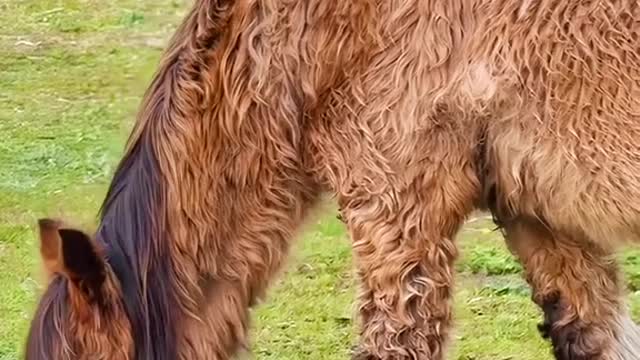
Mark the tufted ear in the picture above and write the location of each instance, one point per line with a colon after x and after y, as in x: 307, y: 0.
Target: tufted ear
x: 71, y: 253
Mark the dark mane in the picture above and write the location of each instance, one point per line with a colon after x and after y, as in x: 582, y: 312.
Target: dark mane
x: 132, y: 222
x: 130, y: 230
x: 133, y: 215
x: 54, y: 306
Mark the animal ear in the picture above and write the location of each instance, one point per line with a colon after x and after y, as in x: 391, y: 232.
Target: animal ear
x: 71, y: 252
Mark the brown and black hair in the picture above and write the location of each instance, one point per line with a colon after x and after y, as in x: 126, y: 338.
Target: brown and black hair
x: 409, y: 112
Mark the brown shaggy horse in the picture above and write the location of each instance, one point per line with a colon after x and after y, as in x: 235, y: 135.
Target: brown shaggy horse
x: 413, y: 113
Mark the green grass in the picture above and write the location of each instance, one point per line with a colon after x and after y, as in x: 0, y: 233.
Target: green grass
x: 71, y: 76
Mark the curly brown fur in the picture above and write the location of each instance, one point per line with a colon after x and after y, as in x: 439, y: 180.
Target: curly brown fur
x: 407, y: 111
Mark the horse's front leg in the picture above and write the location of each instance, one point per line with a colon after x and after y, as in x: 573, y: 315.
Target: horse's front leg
x: 256, y: 226
x: 404, y: 249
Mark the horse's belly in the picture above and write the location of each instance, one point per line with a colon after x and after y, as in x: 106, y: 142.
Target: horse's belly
x: 595, y: 191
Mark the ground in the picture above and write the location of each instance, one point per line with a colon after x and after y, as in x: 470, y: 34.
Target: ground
x: 72, y: 73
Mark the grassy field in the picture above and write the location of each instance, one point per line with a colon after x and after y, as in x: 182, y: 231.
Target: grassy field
x: 71, y: 76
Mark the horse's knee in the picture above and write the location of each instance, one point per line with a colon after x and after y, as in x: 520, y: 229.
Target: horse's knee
x: 407, y: 272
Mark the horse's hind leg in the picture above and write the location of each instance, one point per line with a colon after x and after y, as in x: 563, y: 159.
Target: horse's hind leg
x: 576, y: 284
x: 404, y: 250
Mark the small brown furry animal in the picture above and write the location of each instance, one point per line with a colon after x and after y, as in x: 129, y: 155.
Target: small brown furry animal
x: 412, y: 113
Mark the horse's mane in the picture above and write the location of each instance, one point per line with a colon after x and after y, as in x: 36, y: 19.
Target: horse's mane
x: 133, y: 217
x: 131, y: 222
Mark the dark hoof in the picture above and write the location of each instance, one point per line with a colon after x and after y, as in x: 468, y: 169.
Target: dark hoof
x: 573, y: 341
x: 545, y: 330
